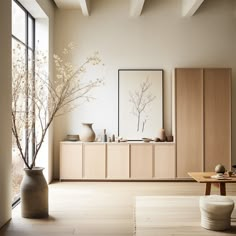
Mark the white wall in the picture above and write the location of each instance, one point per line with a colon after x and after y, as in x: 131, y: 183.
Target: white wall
x: 43, y: 12
x: 5, y: 118
x: 160, y: 38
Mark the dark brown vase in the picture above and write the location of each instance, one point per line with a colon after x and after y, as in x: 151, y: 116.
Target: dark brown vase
x: 34, y: 194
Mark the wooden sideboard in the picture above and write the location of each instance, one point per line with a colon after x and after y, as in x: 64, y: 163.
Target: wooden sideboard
x: 201, y: 127
x: 117, y: 161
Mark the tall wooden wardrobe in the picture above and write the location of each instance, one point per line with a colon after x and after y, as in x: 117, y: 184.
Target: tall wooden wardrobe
x: 202, y: 119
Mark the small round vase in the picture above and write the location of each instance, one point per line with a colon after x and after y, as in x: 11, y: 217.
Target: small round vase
x: 87, y: 134
x: 220, y: 169
x: 34, y: 194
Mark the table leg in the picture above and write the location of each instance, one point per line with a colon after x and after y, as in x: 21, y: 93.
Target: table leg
x: 208, y: 189
x: 222, y: 189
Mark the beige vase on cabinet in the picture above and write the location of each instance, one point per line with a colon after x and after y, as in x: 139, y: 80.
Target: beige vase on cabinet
x: 87, y: 134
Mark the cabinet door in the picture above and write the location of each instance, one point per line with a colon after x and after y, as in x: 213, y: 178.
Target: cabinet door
x: 189, y: 120
x: 70, y: 160
x: 217, y: 95
x: 164, y: 159
x: 118, y: 161
x: 94, y: 161
x: 141, y: 161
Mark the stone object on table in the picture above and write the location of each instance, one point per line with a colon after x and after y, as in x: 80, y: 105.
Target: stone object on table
x: 220, y: 169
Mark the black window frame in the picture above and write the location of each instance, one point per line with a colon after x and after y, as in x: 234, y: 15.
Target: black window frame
x: 27, y: 49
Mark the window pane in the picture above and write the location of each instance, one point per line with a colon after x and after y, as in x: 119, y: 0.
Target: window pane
x: 22, y: 89
x: 18, y: 76
x: 18, y: 22
x: 30, y: 32
x: 30, y: 63
x: 31, y: 101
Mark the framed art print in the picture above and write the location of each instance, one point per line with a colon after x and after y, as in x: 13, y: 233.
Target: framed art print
x: 140, y: 98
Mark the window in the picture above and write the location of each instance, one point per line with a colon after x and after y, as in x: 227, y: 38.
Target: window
x: 23, y: 51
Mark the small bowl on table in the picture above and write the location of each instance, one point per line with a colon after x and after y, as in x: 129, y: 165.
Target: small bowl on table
x: 147, y: 140
x: 72, y: 137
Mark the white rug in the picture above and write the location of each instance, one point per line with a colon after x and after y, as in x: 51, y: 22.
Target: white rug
x: 172, y: 215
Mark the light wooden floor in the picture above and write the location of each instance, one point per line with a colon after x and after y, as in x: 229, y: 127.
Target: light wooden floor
x: 98, y: 208
x: 153, y: 215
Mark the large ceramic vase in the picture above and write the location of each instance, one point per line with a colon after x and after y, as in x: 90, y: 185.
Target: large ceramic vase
x: 87, y: 134
x: 34, y: 194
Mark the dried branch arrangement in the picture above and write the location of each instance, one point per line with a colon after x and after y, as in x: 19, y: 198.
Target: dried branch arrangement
x: 37, y: 100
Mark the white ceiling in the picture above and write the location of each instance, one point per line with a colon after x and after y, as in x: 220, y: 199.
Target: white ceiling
x: 189, y: 7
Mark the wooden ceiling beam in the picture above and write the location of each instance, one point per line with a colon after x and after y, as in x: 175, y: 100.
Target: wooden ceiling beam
x: 85, y: 7
x: 190, y: 7
x: 67, y: 4
x: 136, y: 7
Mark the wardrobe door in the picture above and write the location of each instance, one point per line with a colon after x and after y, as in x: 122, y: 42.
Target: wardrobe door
x: 189, y: 120
x: 217, y: 94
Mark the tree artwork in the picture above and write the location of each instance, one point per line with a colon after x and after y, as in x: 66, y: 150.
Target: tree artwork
x: 140, y: 103
x: 141, y: 99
